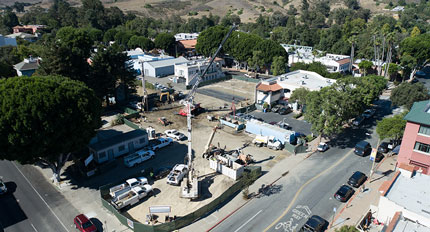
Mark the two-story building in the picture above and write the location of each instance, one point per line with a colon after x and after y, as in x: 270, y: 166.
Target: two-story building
x: 188, y: 70
x: 415, y: 148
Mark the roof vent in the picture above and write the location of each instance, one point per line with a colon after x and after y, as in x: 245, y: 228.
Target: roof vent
x: 303, y: 82
x: 305, y: 76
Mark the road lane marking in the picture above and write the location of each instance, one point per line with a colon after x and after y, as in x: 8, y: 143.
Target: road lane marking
x: 248, y: 221
x: 52, y: 211
x: 302, y: 187
x: 33, y: 227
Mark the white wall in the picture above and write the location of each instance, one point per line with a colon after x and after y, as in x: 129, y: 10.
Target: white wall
x: 234, y: 173
x: 387, y: 208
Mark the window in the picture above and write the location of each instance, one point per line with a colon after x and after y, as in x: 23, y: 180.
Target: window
x: 425, y: 130
x: 102, y: 155
x: 121, y: 148
x: 422, y: 147
x: 142, y: 140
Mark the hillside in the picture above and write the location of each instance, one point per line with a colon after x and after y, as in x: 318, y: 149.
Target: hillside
x: 248, y: 10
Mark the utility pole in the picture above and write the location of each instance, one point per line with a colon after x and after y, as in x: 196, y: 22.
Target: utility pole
x: 145, y: 95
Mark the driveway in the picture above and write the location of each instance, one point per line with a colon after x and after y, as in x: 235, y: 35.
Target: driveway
x: 297, y: 125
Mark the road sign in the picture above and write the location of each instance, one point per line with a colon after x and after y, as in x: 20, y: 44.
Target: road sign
x: 334, y: 209
x: 373, y: 154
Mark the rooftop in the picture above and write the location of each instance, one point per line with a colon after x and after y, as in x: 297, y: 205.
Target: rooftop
x: 116, y: 138
x: 163, y: 63
x: 412, y: 193
x: 266, y: 88
x: 27, y: 64
x: 419, y: 113
x: 21, y: 35
x: 300, y: 78
x: 190, y: 43
x: 407, y: 225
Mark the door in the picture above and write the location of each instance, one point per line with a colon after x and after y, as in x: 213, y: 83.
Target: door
x: 130, y: 147
x: 110, y: 154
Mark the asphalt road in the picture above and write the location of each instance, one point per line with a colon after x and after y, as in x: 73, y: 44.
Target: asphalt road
x: 26, y: 208
x: 308, y: 189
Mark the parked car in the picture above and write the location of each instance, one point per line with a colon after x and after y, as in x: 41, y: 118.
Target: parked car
x: 284, y: 111
x: 177, y: 174
x: 174, y: 134
x: 162, y: 172
x: 314, y: 224
x: 161, y: 142
x: 283, y: 125
x: 135, y: 105
x: 383, y: 147
x: 368, y: 113
x: 379, y: 157
x: 322, y: 147
x: 3, y: 188
x: 138, y: 157
x: 275, y: 109
x: 344, y: 193
x: 357, y: 179
x: 358, y: 120
x: 120, y: 189
x: 362, y: 148
x: 83, y: 224
x: 132, y: 197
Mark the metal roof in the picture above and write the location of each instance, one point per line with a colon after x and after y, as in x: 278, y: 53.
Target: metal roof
x: 103, y: 144
x: 419, y: 113
x: 169, y: 62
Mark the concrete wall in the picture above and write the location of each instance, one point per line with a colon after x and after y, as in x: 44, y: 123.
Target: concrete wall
x: 388, y: 207
x: 407, y: 152
x: 235, y: 172
x: 100, y: 157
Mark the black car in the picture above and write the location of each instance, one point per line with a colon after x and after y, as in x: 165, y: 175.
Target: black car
x: 344, y: 193
x: 284, y: 111
x: 357, y: 179
x: 379, y: 157
x: 314, y: 224
x: 362, y: 148
x: 162, y: 172
x: 383, y: 147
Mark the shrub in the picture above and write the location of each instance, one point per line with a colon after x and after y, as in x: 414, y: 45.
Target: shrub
x: 296, y: 116
x: 148, y: 6
x: 119, y: 119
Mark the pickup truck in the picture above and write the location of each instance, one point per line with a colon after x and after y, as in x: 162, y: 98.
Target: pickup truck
x: 177, y: 174
x: 120, y: 189
x: 132, y: 197
x: 138, y: 157
x: 268, y: 141
x: 160, y: 143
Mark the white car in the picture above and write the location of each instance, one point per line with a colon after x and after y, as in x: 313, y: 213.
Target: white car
x: 138, y: 157
x: 174, y: 134
x: 177, y: 174
x: 160, y: 143
x: 322, y: 147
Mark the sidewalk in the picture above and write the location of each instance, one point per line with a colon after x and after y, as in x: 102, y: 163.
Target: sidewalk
x: 279, y: 167
x: 359, y: 204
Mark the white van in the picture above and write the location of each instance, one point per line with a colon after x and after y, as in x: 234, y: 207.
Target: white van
x: 138, y: 157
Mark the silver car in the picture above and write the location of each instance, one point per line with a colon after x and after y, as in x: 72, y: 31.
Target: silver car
x: 3, y: 188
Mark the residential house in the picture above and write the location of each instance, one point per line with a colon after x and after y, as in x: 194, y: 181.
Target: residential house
x: 24, y: 36
x: 280, y: 88
x: 408, y: 193
x: 110, y: 147
x: 27, y: 67
x: 186, y: 36
x: 187, y: 47
x: 5, y: 41
x: 187, y: 71
x: 28, y: 28
x: 161, y: 68
x: 415, y: 148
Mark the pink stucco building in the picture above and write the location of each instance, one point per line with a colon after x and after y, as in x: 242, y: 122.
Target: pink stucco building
x: 415, y: 149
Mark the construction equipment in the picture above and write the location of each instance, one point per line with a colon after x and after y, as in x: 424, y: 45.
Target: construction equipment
x: 163, y: 121
x: 190, y: 187
x: 209, y: 146
x: 165, y: 97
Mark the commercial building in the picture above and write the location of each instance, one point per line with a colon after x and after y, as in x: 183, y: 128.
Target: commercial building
x: 147, y: 57
x: 187, y: 71
x: 161, y: 68
x: 401, y: 224
x: 27, y: 67
x: 415, y: 148
x: 280, y: 88
x: 186, y: 36
x: 5, y: 41
x: 108, y: 146
x: 408, y: 192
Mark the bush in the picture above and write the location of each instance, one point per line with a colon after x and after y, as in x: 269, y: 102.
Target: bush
x: 296, y: 116
x: 192, y: 13
x: 119, y: 119
x: 148, y: 6
x: 245, y: 193
x: 309, y: 138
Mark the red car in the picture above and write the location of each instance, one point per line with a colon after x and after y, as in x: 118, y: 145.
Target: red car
x: 83, y: 224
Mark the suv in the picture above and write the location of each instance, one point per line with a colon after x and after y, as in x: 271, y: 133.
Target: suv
x: 362, y: 148
x: 357, y: 179
x: 314, y: 224
x: 83, y: 224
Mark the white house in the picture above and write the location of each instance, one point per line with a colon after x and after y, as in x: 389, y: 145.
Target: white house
x: 188, y: 70
x: 5, y: 41
x: 279, y: 88
x: 407, y: 193
x: 186, y: 36
x: 161, y: 68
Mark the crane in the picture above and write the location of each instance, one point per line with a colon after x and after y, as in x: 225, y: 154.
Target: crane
x: 190, y: 188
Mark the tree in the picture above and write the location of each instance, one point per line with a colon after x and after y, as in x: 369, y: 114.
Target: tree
x: 270, y: 49
x: 141, y: 42
x: 299, y: 95
x: 45, y: 119
x: 346, y: 229
x: 165, y: 41
x: 418, y: 47
x: 415, y: 32
x: 407, y: 93
x: 279, y: 65
x: 9, y: 20
x: 352, y: 4
x: 256, y: 61
x: 365, y: 65
x: 392, y: 127
x: 209, y: 40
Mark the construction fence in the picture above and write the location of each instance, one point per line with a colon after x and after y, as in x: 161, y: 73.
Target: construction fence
x: 180, y: 221
x: 247, y: 79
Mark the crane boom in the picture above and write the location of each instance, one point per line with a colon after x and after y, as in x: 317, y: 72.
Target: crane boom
x: 190, y: 190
